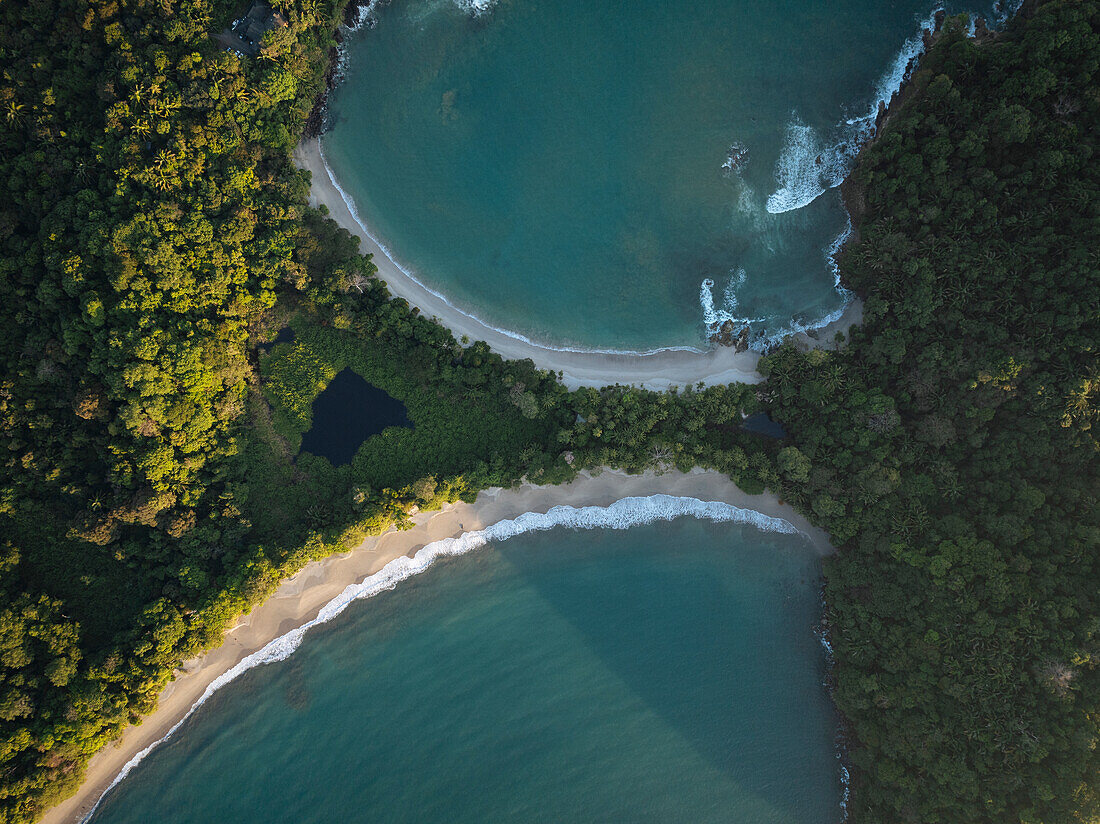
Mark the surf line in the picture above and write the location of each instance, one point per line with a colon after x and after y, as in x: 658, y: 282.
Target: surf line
x: 622, y: 514
x: 806, y: 170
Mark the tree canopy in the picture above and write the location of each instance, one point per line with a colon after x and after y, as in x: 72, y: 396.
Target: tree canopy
x: 156, y: 233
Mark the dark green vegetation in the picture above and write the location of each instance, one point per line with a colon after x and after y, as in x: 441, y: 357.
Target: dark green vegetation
x: 155, y: 231
x: 347, y: 413
x: 151, y: 213
x: 149, y: 492
x: 952, y: 447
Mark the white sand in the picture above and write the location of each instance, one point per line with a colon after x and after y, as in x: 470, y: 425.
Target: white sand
x: 300, y: 598
x: 659, y: 370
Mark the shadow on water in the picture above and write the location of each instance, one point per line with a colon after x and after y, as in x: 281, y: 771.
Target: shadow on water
x: 757, y: 662
x: 348, y: 412
x: 415, y: 708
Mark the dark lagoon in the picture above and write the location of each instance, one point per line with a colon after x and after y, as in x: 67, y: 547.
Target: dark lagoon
x: 762, y: 424
x: 348, y: 412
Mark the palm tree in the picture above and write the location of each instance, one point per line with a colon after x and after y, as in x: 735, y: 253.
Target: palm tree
x: 661, y: 458
x: 14, y: 112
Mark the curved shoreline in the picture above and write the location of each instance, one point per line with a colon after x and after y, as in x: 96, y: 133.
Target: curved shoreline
x: 658, y: 370
x: 300, y: 599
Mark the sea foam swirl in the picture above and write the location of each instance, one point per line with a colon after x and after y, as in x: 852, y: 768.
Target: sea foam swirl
x: 622, y: 514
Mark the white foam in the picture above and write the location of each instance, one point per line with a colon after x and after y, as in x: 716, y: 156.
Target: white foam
x: 846, y: 786
x: 476, y: 7
x: 833, y: 250
x: 735, y: 159
x: 622, y: 514
x: 366, y: 16
x: 807, y: 168
x: 729, y: 297
x: 762, y: 341
x: 715, y: 316
x: 1005, y: 10
x: 899, y: 71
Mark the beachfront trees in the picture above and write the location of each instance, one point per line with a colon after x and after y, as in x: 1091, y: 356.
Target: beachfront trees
x: 149, y: 213
x: 154, y: 231
x: 963, y: 604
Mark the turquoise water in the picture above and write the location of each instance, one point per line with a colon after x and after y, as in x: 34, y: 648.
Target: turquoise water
x: 669, y: 672
x: 557, y: 168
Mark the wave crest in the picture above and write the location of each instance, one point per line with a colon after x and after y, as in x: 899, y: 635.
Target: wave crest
x: 806, y: 169
x: 476, y: 7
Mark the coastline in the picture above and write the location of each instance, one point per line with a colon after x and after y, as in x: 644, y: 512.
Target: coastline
x: 300, y: 598
x: 659, y: 370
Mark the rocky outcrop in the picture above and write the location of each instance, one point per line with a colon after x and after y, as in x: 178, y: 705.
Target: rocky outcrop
x: 735, y: 158
x: 727, y: 334
x: 880, y: 116
x: 356, y: 15
x: 315, y: 123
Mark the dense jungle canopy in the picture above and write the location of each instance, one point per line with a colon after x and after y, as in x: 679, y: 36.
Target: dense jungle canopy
x: 155, y: 232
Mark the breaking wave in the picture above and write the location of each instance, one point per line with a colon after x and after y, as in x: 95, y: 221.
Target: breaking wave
x: 366, y: 16
x: 476, y: 7
x: 1004, y: 10
x: 807, y: 168
x: 715, y: 316
x: 622, y: 514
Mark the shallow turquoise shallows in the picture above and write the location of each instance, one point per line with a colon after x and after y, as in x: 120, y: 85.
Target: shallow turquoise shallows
x: 559, y: 169
x: 666, y: 673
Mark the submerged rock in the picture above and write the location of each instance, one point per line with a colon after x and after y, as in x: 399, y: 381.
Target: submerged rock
x: 735, y: 158
x: 727, y: 334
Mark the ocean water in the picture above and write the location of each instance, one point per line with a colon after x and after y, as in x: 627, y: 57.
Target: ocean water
x: 563, y: 170
x: 667, y: 672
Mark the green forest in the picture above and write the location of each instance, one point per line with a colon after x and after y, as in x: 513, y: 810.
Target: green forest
x: 156, y: 236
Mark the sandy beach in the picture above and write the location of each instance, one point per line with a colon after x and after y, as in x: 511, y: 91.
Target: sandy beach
x: 298, y: 599
x: 659, y: 370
